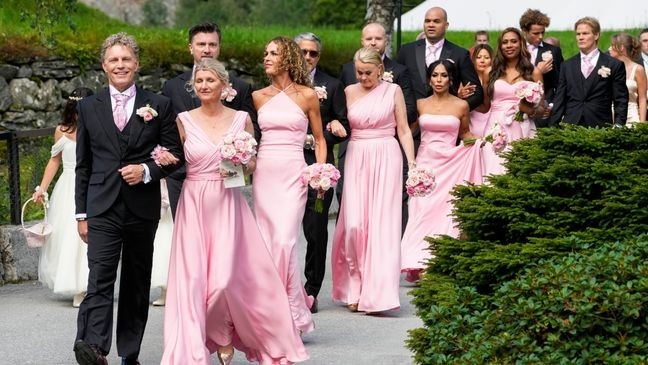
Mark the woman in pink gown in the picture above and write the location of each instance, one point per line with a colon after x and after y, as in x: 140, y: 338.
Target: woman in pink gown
x: 482, y: 58
x: 511, y: 67
x: 442, y: 117
x: 223, y: 288
x: 285, y: 109
x: 366, y: 242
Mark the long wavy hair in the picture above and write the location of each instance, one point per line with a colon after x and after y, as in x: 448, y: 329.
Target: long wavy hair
x: 291, y: 60
x: 69, y: 122
x: 524, y: 66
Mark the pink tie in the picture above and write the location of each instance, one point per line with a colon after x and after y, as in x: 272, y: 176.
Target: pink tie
x: 431, y: 54
x: 531, y: 48
x: 586, y: 66
x: 119, y: 112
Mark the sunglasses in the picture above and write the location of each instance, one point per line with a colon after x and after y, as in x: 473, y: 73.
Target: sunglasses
x: 313, y: 54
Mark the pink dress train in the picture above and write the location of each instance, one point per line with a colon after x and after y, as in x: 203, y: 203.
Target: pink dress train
x: 502, y: 113
x: 280, y: 196
x: 223, y: 286
x: 366, y: 243
x: 431, y: 215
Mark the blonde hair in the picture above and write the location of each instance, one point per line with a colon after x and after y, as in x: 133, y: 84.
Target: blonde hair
x: 369, y: 55
x: 122, y: 39
x: 592, y: 22
x: 292, y: 61
x: 214, y: 66
x: 628, y: 42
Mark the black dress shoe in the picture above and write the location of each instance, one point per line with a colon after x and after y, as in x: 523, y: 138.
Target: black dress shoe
x: 89, y: 354
x: 314, y: 308
x: 126, y: 361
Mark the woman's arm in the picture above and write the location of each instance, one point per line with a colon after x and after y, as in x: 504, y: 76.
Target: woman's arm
x: 315, y: 121
x: 402, y: 128
x: 50, y: 170
x: 251, y: 166
x: 640, y: 77
x: 464, y: 125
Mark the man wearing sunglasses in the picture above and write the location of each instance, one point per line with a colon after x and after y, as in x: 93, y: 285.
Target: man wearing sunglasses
x: 336, y: 129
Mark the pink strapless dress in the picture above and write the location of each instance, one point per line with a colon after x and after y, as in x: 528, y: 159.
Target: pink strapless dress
x: 223, y: 286
x: 431, y: 215
x: 478, y: 122
x: 280, y: 196
x: 501, y: 112
x: 366, y: 243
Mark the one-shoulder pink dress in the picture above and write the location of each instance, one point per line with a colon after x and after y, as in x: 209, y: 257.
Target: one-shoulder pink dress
x: 366, y: 243
x: 431, y: 215
x: 223, y: 286
x: 280, y: 196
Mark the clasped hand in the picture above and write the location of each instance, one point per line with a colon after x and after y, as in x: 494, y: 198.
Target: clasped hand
x: 337, y: 129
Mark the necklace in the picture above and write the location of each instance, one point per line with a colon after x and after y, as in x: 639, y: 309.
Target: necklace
x: 282, y: 90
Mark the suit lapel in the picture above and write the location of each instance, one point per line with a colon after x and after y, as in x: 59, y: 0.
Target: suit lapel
x: 591, y: 80
x: 190, y: 101
x: 103, y: 109
x: 420, y: 60
x: 136, y: 122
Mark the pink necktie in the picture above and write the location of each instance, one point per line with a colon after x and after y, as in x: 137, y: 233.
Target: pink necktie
x: 431, y: 54
x: 586, y: 66
x: 531, y: 48
x: 119, y: 112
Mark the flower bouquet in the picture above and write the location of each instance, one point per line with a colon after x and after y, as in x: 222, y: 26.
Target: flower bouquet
x: 529, y: 91
x: 420, y: 182
x: 236, y: 151
x: 320, y: 177
x: 498, y: 138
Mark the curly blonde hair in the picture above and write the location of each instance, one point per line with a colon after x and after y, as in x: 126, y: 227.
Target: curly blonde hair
x: 122, y: 39
x: 291, y: 60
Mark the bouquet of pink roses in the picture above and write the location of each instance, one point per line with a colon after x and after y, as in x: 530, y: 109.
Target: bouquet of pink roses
x: 320, y: 177
x: 239, y: 148
x: 420, y: 182
x: 531, y: 92
x: 497, y: 137
x: 235, y: 152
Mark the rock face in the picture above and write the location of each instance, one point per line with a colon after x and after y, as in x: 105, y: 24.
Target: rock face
x: 131, y: 11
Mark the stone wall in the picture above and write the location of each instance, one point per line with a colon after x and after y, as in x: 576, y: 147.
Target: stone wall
x: 33, y: 94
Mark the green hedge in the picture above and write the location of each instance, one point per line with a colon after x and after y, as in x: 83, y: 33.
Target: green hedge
x: 567, y: 191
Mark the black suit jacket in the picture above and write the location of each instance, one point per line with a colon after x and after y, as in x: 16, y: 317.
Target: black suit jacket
x: 412, y: 55
x: 176, y: 90
x: 588, y: 102
x: 401, y: 77
x: 550, y: 79
x: 331, y: 108
x: 99, y: 156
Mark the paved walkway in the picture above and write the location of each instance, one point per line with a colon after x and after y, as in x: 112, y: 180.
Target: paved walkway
x: 38, y: 327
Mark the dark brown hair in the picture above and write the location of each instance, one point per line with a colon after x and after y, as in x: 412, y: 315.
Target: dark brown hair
x: 68, y: 124
x: 523, y: 66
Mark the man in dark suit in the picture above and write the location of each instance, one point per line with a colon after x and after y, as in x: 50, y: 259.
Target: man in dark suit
x: 336, y: 129
x: 546, y: 57
x: 590, y: 83
x: 117, y: 197
x: 374, y: 36
x: 204, y: 42
x: 418, y: 55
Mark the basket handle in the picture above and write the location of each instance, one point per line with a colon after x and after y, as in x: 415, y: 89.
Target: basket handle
x: 22, y: 212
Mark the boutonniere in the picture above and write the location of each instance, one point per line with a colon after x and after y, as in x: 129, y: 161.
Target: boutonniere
x: 547, y: 56
x: 388, y: 76
x: 147, y: 113
x: 321, y: 92
x: 604, y: 72
x: 229, y: 93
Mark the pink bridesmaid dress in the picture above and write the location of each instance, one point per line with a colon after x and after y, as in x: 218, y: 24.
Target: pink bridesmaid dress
x: 431, y: 215
x: 366, y: 243
x: 223, y: 286
x: 501, y: 112
x: 280, y: 196
x: 478, y: 121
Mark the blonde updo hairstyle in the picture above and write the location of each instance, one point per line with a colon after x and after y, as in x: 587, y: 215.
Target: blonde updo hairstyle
x: 211, y: 65
x: 371, y: 56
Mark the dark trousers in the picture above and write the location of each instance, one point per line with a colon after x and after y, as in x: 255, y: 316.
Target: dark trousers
x: 117, y: 231
x: 338, y: 188
x: 316, y: 232
x: 174, y: 186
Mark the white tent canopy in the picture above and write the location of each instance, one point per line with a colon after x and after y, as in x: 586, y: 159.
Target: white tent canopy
x: 496, y: 15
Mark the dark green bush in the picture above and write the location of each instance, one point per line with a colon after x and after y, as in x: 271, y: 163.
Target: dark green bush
x: 566, y: 191
x: 583, y: 308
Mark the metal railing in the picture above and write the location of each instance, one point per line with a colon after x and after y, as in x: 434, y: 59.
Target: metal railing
x: 13, y: 161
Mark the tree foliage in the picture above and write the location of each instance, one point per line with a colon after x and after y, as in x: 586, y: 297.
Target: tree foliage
x: 567, y: 192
